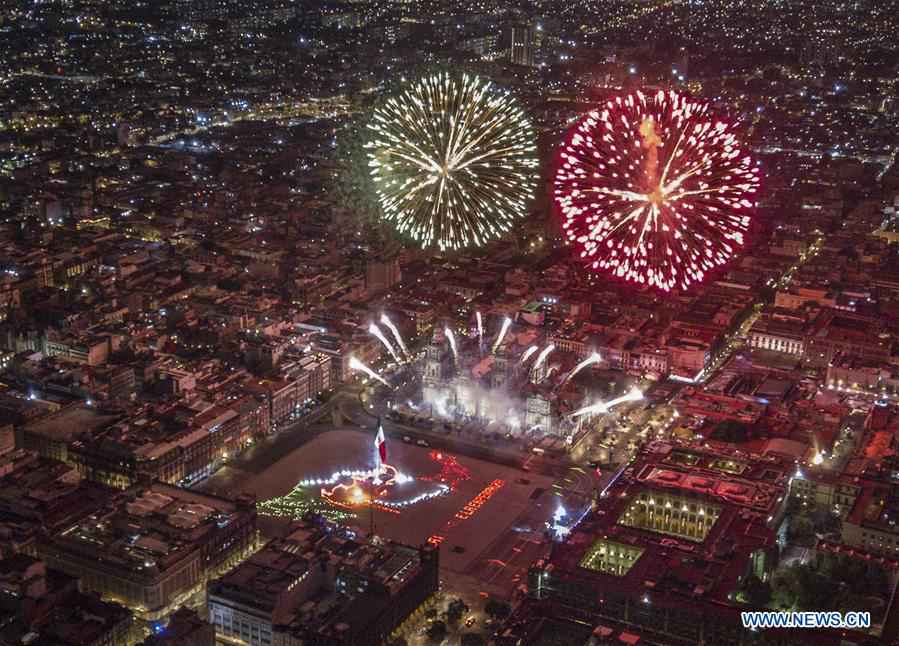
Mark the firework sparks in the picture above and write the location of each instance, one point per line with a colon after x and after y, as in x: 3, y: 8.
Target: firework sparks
x: 655, y: 189
x: 604, y: 407
x: 593, y: 358
x: 527, y: 353
x: 376, y: 331
x: 452, y: 341
x: 453, y: 160
x: 542, y: 356
x: 507, y: 322
x: 357, y: 365
x: 480, y: 327
x: 593, y: 409
x: 396, y: 333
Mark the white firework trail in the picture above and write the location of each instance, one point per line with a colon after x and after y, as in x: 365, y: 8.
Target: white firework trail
x: 634, y: 395
x: 376, y: 331
x: 452, y: 341
x: 502, y: 332
x: 396, y: 333
x: 480, y: 327
x: 543, y: 354
x: 527, y: 353
x: 593, y: 358
x: 604, y: 407
x: 355, y: 364
x: 592, y: 409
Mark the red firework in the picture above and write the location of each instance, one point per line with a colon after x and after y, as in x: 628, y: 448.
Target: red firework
x: 655, y: 189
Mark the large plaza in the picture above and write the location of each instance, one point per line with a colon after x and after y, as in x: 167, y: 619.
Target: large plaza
x: 474, y: 504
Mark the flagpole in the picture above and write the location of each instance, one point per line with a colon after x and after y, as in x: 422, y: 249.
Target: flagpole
x: 371, y: 511
x: 377, y: 476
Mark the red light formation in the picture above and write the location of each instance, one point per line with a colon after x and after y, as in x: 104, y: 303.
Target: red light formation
x: 655, y: 189
x: 451, y: 472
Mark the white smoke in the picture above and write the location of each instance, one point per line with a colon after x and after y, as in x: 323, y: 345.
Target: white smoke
x: 462, y: 401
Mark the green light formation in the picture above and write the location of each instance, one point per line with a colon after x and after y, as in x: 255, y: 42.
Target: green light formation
x: 453, y: 161
x: 297, y: 503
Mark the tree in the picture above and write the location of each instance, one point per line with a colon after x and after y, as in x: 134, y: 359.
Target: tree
x: 731, y: 431
x: 826, y: 522
x: 756, y: 591
x: 801, y: 529
x: 437, y: 632
x: 497, y: 609
x: 455, y: 610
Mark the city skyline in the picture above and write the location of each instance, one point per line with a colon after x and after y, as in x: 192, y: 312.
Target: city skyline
x: 428, y: 322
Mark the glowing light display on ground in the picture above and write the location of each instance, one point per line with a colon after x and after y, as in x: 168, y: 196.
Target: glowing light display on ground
x: 655, y: 189
x: 471, y: 507
x: 386, y: 489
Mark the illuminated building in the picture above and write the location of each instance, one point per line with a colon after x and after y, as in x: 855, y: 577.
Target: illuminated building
x: 681, y: 516
x: 521, y: 50
x: 777, y: 335
x: 382, y: 274
x: 541, y: 409
x: 868, y: 507
x: 90, y: 350
x: 44, y: 606
x: 667, y: 547
x: 611, y: 557
x: 122, y: 454
x: 834, y: 332
x: 320, y: 585
x: 513, y: 386
x: 152, y: 548
x: 437, y: 368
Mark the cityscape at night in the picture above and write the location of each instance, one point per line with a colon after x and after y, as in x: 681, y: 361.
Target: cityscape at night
x: 432, y: 322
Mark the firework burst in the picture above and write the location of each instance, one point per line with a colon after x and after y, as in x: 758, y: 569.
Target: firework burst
x: 655, y: 189
x: 453, y: 161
